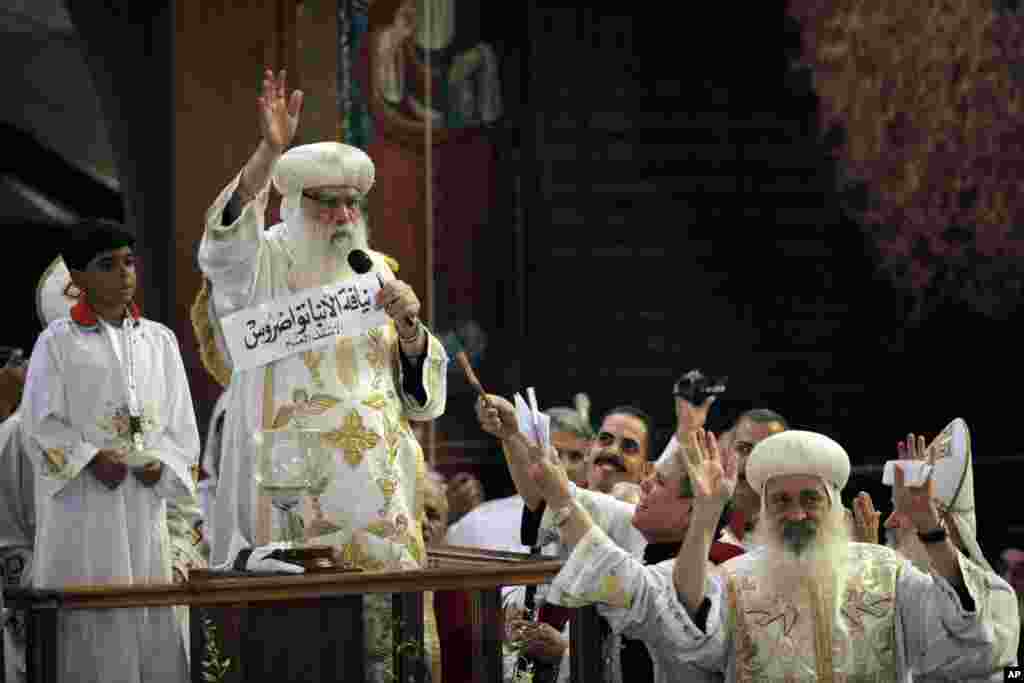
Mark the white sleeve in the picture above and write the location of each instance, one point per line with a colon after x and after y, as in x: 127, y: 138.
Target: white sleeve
x: 641, y: 602
x: 942, y: 638
x: 229, y: 254
x: 58, y: 451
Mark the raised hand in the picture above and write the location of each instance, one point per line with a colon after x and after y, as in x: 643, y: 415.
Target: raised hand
x: 499, y: 418
x: 548, y: 475
x: 912, y: 448
x: 278, y: 113
x: 865, y: 519
x: 914, y: 503
x: 712, y: 473
x: 400, y: 302
x: 689, y: 417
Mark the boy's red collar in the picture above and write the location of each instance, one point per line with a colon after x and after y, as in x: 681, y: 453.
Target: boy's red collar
x: 83, y: 314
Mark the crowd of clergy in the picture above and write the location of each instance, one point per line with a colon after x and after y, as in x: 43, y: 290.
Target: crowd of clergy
x: 727, y: 556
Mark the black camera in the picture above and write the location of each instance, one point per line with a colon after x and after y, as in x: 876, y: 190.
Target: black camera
x: 696, y: 387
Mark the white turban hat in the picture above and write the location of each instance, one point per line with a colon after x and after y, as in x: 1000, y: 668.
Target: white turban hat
x: 796, y: 452
x: 56, y: 295
x: 317, y: 165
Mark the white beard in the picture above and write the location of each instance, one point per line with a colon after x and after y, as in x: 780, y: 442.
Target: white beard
x: 320, y: 252
x: 824, y: 564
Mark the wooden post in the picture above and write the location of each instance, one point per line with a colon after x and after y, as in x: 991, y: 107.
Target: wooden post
x: 407, y: 613
x: 487, y: 637
x: 587, y: 662
x: 41, y: 645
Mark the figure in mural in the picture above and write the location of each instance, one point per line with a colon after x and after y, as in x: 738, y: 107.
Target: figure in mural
x: 416, y: 72
x: 419, y: 66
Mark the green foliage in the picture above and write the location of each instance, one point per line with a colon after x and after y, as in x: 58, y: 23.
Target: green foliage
x: 215, y: 666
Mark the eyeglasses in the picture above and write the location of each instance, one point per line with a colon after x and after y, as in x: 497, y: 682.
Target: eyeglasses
x: 333, y: 201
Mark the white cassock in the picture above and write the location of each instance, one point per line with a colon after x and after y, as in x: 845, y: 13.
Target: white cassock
x: 17, y: 533
x: 894, y: 623
x: 352, y: 388
x: 75, y: 403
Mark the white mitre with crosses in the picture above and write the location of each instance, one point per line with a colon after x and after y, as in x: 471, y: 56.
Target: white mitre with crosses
x: 953, y: 474
x: 56, y: 294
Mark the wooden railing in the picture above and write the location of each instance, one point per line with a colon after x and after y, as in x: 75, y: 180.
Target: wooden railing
x: 309, y: 627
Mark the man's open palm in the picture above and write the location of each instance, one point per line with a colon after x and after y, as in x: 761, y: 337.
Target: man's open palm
x: 712, y: 473
x: 278, y: 113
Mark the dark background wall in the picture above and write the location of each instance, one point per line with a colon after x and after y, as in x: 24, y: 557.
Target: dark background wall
x: 679, y: 212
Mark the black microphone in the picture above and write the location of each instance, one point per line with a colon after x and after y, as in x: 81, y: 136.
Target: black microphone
x: 360, y: 262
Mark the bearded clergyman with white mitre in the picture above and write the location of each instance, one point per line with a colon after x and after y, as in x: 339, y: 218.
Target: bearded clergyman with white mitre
x: 361, y: 390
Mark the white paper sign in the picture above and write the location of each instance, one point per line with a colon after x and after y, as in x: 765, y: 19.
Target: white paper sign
x: 307, y: 320
x: 533, y: 423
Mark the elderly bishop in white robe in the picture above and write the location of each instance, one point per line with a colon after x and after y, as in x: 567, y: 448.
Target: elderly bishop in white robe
x: 808, y: 605
x: 361, y: 391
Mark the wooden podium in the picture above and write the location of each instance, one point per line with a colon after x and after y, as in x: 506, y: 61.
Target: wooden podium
x: 309, y: 627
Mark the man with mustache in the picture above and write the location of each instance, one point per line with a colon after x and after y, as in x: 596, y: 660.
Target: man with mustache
x: 808, y: 605
x: 361, y: 390
x: 620, y: 450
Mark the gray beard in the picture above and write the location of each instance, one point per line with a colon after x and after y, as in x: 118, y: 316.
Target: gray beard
x: 798, y: 536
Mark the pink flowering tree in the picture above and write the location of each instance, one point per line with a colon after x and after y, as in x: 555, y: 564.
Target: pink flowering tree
x: 930, y: 97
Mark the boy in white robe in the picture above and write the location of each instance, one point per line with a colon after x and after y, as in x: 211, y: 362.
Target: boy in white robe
x: 112, y: 436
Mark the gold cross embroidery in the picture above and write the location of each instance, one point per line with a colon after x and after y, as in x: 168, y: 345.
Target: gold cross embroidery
x: 353, y: 439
